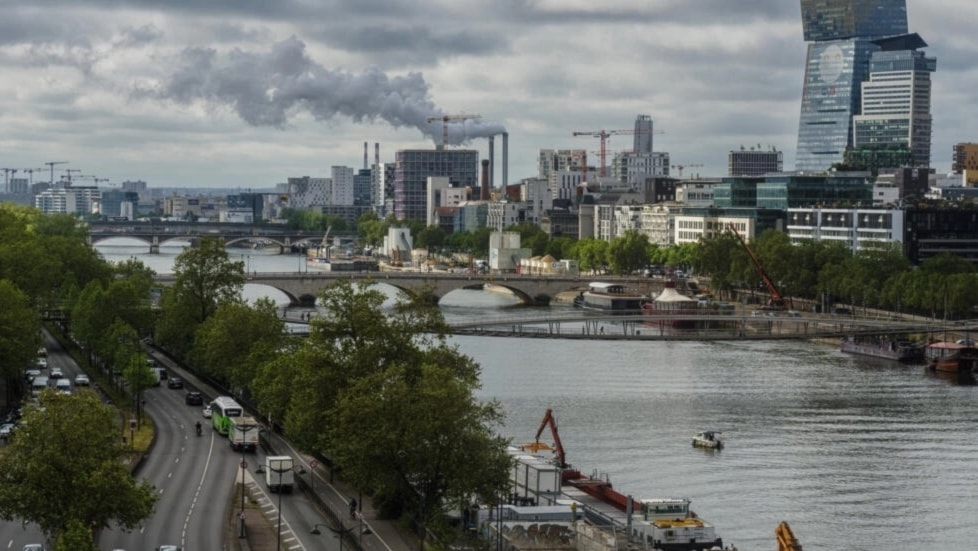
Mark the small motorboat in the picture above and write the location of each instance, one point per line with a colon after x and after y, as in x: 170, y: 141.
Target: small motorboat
x: 708, y: 439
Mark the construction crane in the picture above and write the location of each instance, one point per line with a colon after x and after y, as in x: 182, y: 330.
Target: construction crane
x: 6, y: 177
x: 68, y: 172
x: 558, y: 448
x: 603, y: 135
x: 786, y: 538
x: 445, y: 119
x: 776, y: 301
x: 30, y: 172
x: 51, y: 164
x: 681, y: 167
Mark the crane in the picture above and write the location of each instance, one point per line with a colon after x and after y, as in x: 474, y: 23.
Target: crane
x: 51, y: 164
x: 603, y: 135
x: 445, y: 119
x: 30, y: 172
x: 776, y: 301
x: 786, y: 538
x: 6, y: 177
x: 681, y: 167
x: 68, y: 171
x: 537, y: 445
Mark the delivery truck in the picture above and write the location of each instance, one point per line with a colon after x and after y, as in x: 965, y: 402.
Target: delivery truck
x: 279, y: 476
x: 243, y: 433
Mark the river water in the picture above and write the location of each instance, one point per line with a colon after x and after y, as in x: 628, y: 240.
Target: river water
x: 855, y: 454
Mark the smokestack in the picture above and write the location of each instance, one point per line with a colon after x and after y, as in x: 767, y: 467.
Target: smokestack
x: 366, y: 148
x: 377, y: 153
x: 492, y: 160
x: 485, y: 180
x: 505, y: 160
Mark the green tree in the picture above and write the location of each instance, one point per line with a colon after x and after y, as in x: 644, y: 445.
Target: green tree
x: 628, y: 253
x: 205, y: 277
x: 430, y: 237
x: 231, y: 344
x: 64, y: 466
x: 592, y: 255
x: 76, y: 537
x: 20, y: 335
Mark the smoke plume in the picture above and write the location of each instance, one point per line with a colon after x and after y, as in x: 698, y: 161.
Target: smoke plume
x: 264, y: 89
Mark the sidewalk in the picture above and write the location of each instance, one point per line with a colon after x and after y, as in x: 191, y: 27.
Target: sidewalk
x: 333, y: 497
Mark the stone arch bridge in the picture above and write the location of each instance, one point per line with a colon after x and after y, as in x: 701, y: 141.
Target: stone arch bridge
x: 302, y: 287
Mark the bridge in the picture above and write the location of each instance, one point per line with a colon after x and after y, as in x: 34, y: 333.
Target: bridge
x: 155, y: 233
x: 302, y: 287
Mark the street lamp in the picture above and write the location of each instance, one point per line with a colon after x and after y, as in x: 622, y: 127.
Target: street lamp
x: 340, y: 532
x: 244, y: 465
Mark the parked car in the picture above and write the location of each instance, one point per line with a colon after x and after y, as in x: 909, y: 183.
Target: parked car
x: 82, y: 380
x: 5, y: 430
x: 194, y: 398
x: 174, y: 382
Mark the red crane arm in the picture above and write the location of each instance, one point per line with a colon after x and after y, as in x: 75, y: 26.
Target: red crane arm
x: 776, y: 298
x: 548, y: 420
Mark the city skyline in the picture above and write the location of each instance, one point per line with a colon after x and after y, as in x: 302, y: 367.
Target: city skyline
x: 245, y: 96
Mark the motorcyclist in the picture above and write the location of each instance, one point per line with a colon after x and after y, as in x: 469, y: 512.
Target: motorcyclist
x: 198, y: 428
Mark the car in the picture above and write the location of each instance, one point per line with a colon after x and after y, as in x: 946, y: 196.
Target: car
x: 34, y: 547
x: 42, y: 361
x: 5, y: 430
x: 207, y: 412
x: 33, y: 372
x: 56, y: 373
x: 194, y: 398
x: 168, y: 548
x: 174, y: 382
x: 42, y: 351
x: 82, y: 380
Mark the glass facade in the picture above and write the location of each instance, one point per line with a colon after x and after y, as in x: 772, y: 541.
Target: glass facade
x: 831, y: 96
x: 840, y: 19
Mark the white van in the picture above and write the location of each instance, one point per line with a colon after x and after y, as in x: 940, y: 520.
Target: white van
x: 38, y: 384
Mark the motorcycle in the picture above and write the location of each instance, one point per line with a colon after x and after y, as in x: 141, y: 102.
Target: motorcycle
x: 198, y: 429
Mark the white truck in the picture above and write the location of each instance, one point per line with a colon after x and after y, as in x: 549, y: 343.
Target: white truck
x: 279, y: 476
x: 243, y: 433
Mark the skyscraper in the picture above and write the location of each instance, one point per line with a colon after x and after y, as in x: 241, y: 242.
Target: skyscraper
x: 414, y: 166
x: 841, y: 35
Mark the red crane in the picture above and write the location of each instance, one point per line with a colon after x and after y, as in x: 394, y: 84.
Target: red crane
x: 776, y: 301
x: 603, y: 135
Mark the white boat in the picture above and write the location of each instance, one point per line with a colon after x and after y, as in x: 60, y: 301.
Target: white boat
x: 610, y: 297
x: 708, y: 439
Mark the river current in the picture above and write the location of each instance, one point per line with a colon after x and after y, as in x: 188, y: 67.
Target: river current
x: 855, y: 454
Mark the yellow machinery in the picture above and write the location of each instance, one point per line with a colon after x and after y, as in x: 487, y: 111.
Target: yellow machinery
x: 786, y: 538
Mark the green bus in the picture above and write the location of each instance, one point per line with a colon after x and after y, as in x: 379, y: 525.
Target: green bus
x: 222, y: 409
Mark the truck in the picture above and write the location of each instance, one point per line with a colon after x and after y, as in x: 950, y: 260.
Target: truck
x: 243, y: 433
x: 279, y: 476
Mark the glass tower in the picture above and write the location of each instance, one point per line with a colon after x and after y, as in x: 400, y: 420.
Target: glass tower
x: 841, y: 36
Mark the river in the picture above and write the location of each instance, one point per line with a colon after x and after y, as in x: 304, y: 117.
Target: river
x: 855, y: 454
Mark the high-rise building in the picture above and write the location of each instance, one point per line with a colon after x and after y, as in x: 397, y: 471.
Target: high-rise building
x: 413, y: 167
x: 642, y: 141
x: 754, y: 162
x: 895, y: 107
x: 965, y: 157
x: 841, y: 36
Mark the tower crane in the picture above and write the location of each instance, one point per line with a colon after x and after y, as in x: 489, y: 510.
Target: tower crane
x: 51, y: 165
x: 6, y: 177
x: 445, y: 119
x: 30, y: 172
x: 603, y: 135
x: 681, y: 167
x: 68, y: 171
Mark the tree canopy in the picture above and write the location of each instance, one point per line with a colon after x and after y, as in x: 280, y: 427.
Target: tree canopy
x: 64, y: 465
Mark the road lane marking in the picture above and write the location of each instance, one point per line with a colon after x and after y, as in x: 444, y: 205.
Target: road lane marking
x: 193, y: 503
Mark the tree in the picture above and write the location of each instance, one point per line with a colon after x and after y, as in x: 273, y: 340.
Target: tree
x: 628, y: 253
x: 64, y: 466
x: 430, y: 237
x: 231, y: 344
x: 20, y: 335
x: 205, y: 277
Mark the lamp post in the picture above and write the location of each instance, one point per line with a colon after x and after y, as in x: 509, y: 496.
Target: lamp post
x: 340, y: 532
x: 244, y: 465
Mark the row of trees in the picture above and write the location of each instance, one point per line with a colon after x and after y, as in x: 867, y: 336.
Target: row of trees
x: 63, y: 469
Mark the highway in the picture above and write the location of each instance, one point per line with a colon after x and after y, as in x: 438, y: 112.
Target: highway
x: 196, y: 479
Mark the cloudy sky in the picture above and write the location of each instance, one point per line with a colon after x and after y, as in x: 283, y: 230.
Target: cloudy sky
x: 246, y: 93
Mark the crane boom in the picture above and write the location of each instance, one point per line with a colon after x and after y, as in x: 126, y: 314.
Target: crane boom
x: 786, y: 538
x: 549, y: 421
x: 445, y: 119
x: 776, y: 302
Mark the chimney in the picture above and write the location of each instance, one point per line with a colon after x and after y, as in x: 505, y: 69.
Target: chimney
x: 377, y: 153
x: 366, y: 148
x: 492, y: 160
x: 485, y: 180
x: 505, y: 160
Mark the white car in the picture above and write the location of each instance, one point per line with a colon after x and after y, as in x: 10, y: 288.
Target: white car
x: 5, y: 430
x: 56, y: 373
x: 82, y: 380
x: 207, y: 412
x: 42, y: 361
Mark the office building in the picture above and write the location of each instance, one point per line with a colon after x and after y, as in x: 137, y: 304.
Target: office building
x: 895, y: 105
x: 841, y: 36
x: 412, y: 169
x: 754, y: 162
